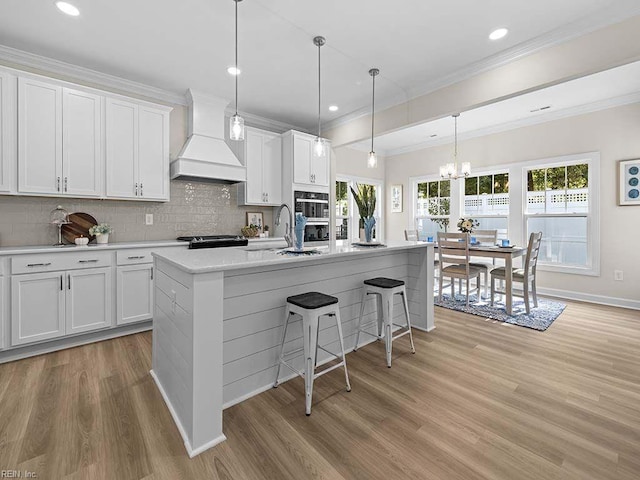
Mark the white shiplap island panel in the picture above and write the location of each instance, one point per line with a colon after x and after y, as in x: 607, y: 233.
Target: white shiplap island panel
x: 219, y: 315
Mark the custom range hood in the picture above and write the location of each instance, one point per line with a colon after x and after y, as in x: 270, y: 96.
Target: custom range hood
x: 206, y: 157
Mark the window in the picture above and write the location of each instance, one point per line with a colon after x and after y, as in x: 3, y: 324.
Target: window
x: 342, y: 210
x: 559, y: 203
x: 486, y: 199
x: 433, y: 207
x: 347, y: 215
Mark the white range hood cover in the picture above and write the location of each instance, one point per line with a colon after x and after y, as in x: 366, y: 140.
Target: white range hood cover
x: 206, y: 156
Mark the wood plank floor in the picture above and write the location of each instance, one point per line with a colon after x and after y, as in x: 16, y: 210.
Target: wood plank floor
x: 479, y: 400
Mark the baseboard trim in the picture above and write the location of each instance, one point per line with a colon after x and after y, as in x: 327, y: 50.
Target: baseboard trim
x: 590, y: 298
x: 192, y: 452
x: 25, y: 351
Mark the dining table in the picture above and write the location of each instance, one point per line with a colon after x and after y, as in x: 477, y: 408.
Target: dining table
x: 508, y: 254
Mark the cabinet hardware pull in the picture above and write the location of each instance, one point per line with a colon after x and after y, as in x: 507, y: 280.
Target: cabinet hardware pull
x: 69, y: 282
x: 61, y: 286
x: 135, y: 257
x: 141, y: 191
x: 66, y: 184
x: 151, y: 273
x: 93, y: 260
x: 136, y: 189
x: 38, y: 264
x: 58, y: 184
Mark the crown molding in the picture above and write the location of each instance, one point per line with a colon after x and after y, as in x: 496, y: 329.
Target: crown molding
x: 15, y: 58
x: 583, y: 26
x: 524, y: 122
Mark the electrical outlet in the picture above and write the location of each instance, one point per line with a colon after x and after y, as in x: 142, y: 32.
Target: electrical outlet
x: 618, y: 275
x: 148, y: 219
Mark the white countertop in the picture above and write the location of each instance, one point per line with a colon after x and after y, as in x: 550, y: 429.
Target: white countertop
x: 112, y: 246
x: 221, y: 259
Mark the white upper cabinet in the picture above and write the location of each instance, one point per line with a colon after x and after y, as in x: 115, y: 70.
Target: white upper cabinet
x: 59, y: 140
x: 8, y: 119
x: 308, y: 168
x: 262, y: 156
x: 81, y: 143
x: 137, y: 157
x: 39, y: 137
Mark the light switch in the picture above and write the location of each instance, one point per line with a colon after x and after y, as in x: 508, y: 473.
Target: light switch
x: 148, y: 219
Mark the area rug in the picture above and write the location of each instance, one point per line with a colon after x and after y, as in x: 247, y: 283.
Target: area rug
x: 539, y: 318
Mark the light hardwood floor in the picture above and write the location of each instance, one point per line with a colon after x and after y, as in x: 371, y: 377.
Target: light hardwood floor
x: 479, y: 400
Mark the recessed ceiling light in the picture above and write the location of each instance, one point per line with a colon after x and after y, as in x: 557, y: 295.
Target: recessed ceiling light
x: 433, y: 135
x: 333, y: 108
x: 233, y: 70
x: 498, y: 34
x: 67, y: 8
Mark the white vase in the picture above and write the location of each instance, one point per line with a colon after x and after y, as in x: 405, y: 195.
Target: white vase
x: 102, y: 238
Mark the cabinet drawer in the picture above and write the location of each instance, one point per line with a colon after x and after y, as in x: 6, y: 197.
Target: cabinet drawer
x: 50, y: 262
x: 134, y: 256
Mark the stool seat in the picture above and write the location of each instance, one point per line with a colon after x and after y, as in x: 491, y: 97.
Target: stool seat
x: 312, y: 300
x: 382, y: 282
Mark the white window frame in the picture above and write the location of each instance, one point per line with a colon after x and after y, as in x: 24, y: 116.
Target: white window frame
x: 482, y: 173
x: 354, y: 217
x: 414, y: 181
x: 592, y: 216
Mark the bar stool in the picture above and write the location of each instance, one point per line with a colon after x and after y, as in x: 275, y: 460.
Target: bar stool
x: 385, y: 289
x: 311, y: 306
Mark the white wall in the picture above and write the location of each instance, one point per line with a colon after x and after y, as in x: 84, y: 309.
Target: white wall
x: 615, y: 133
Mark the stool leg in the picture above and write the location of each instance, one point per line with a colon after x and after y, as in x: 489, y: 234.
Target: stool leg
x: 344, y: 358
x: 388, y: 320
x: 310, y: 332
x: 362, y: 301
x: 380, y: 312
x: 284, y: 335
x: 406, y: 312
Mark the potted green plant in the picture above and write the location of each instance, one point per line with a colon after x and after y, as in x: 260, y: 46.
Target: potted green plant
x: 101, y: 232
x: 365, y: 198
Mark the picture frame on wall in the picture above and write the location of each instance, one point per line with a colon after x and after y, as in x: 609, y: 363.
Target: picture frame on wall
x: 629, y: 183
x: 255, y: 218
x: 396, y: 198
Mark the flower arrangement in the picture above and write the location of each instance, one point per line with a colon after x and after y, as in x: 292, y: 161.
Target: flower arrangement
x: 250, y: 231
x: 101, y: 229
x: 466, y: 225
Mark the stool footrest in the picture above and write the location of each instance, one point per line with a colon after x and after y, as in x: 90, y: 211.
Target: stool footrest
x: 327, y: 351
x: 327, y: 370
x: 292, y: 352
x: 294, y: 370
x: 402, y: 334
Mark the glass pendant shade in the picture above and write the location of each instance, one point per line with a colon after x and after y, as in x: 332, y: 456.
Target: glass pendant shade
x: 319, y: 147
x: 372, y: 160
x: 466, y: 169
x: 236, y: 128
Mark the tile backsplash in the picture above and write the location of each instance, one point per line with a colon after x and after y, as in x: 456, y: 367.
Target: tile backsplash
x: 195, y: 208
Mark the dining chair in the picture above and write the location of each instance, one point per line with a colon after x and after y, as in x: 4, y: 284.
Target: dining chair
x: 526, y: 275
x: 453, y: 253
x: 411, y: 235
x: 489, y: 237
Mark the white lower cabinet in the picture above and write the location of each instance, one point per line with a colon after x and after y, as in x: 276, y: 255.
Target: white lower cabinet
x: 135, y: 293
x: 37, y: 307
x: 54, y: 304
x: 88, y: 300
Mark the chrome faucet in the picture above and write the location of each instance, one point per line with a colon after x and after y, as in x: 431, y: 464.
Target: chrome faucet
x: 288, y: 236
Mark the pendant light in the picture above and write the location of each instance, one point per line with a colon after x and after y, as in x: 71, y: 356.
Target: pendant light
x: 450, y: 170
x: 372, y: 161
x: 236, y: 123
x: 319, y: 145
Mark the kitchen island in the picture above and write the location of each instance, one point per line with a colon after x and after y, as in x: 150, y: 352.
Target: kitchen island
x: 219, y: 315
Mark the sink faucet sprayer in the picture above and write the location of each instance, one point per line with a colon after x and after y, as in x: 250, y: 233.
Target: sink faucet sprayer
x: 288, y: 236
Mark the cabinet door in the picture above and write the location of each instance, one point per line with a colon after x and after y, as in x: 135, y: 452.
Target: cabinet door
x: 37, y: 307
x: 39, y: 137
x: 272, y: 169
x: 135, y: 293
x: 153, y: 153
x: 253, y: 161
x: 88, y: 300
x: 302, y: 160
x: 8, y: 100
x: 320, y: 169
x: 121, y: 143
x: 82, y: 143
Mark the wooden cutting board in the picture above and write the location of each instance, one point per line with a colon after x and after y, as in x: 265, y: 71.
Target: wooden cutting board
x: 79, y: 225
